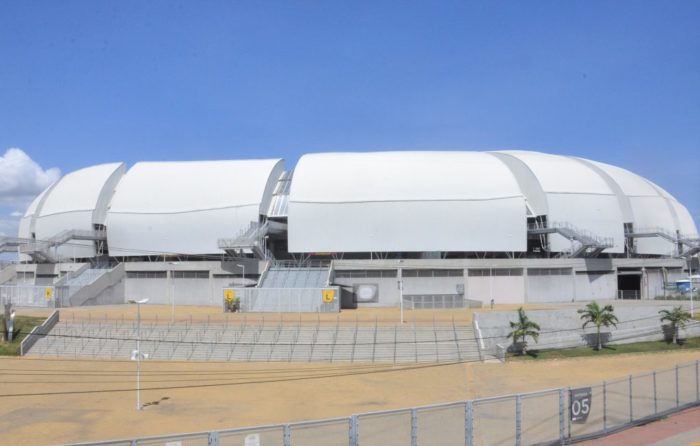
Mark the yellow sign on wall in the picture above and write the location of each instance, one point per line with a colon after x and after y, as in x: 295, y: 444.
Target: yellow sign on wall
x: 229, y: 295
x: 48, y: 293
x: 328, y: 296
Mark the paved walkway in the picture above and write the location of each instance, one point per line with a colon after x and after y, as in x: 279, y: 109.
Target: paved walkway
x: 679, y: 429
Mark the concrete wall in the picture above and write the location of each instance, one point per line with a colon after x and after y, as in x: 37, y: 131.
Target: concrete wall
x: 502, y: 289
x: 653, y: 283
x: 112, y: 295
x: 387, y: 290
x: 431, y: 285
x: 550, y: 288
x: 155, y: 290
x: 562, y: 328
x: 588, y: 279
x: 188, y: 291
x: 8, y: 273
x: 596, y: 286
x: 108, y: 289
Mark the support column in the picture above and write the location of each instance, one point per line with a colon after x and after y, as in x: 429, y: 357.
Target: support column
x: 518, y: 420
x: 562, y: 412
x: 353, y: 431
x: 469, y: 423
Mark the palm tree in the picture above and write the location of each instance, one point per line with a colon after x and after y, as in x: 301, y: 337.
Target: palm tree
x: 677, y: 317
x: 522, y: 329
x: 594, y: 314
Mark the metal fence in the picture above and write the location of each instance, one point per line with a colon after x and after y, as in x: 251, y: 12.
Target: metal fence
x: 556, y: 416
x: 629, y: 294
x: 28, y: 295
x: 438, y: 301
x: 288, y: 300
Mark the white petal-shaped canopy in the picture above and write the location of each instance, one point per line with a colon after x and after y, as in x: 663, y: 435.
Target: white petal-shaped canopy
x: 77, y: 201
x: 184, y: 207
x: 405, y: 201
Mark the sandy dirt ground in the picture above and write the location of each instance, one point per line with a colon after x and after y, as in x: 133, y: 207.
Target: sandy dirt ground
x: 163, y: 313
x: 49, y: 401
x: 386, y: 316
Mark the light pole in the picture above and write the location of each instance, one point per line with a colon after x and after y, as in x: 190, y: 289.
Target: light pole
x: 171, y: 290
x: 401, y: 297
x: 690, y: 283
x: 138, y: 349
x: 400, y: 284
x: 243, y: 278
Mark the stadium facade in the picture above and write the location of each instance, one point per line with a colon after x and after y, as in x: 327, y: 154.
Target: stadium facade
x: 441, y: 228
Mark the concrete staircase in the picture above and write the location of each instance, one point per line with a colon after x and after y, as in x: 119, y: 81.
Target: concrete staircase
x: 90, y: 286
x: 295, y: 277
x: 685, y: 245
x: 584, y: 244
x: 262, y: 343
x: 40, y: 250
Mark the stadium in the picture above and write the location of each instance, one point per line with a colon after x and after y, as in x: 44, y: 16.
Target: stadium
x: 431, y: 229
x: 337, y: 247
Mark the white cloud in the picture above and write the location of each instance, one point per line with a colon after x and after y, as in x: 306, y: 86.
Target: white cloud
x: 9, y: 227
x: 16, y: 214
x: 21, y: 179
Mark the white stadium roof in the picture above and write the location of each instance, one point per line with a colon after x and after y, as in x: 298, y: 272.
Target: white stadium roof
x: 77, y: 201
x: 577, y: 195
x: 359, y: 202
x: 184, y: 207
x: 405, y: 201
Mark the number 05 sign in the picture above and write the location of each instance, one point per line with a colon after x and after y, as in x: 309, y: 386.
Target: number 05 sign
x: 580, y: 404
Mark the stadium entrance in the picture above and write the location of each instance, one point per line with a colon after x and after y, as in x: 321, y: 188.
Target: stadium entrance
x: 629, y: 284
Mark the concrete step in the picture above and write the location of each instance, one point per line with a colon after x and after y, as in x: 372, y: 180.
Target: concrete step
x: 224, y: 342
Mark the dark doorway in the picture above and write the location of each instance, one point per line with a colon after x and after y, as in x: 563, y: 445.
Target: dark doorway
x: 629, y: 285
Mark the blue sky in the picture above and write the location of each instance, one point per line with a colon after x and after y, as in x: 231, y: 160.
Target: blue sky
x: 90, y: 82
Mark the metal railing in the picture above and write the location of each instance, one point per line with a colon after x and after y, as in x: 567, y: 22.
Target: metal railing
x: 28, y: 295
x: 288, y: 299
x: 589, y: 242
x: 295, y: 277
x: 628, y: 294
x: 555, y: 416
x: 250, y: 238
x: 303, y: 263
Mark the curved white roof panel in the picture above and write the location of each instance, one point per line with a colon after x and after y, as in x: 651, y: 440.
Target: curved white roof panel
x: 74, y: 202
x: 528, y: 182
x: 401, y: 176
x: 26, y: 223
x: 631, y: 184
x: 184, y: 207
x: 80, y: 190
x: 649, y: 209
x: 561, y: 174
x: 405, y: 201
x: 35, y: 204
x: 576, y: 195
x: 687, y: 227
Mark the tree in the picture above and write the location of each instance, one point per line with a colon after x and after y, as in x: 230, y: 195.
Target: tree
x: 594, y: 314
x: 677, y: 317
x: 522, y: 329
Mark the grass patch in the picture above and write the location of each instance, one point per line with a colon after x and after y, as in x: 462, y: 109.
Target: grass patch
x: 637, y: 347
x: 23, y: 325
